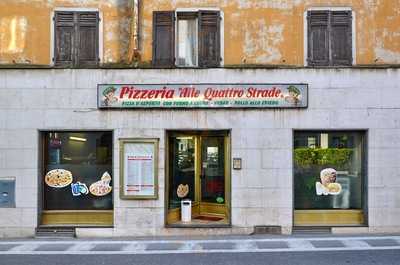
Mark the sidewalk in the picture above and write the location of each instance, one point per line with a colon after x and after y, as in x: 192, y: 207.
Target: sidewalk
x: 220, y: 244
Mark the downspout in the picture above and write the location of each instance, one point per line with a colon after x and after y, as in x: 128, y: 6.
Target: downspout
x: 134, y: 51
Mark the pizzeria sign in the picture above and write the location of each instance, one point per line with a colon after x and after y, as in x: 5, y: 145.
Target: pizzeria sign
x: 202, y: 96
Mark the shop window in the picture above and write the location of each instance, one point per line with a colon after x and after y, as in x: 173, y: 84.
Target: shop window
x: 76, y: 39
x: 329, y: 175
x: 329, y: 38
x: 196, y: 42
x: 77, y: 171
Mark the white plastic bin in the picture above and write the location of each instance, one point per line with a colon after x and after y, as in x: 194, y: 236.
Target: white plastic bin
x: 186, y: 210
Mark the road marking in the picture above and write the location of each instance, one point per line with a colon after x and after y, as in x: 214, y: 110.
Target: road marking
x: 195, y: 246
x: 192, y: 251
x: 134, y: 247
x: 246, y: 245
x: 300, y: 244
x: 81, y: 247
x: 191, y: 246
x: 355, y: 243
x: 289, y: 239
x: 24, y: 248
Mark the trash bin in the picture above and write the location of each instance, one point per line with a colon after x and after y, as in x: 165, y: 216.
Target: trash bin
x: 186, y: 210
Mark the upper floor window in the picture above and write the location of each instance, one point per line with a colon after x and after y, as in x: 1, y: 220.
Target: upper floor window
x: 329, y: 38
x: 186, y: 39
x: 76, y: 39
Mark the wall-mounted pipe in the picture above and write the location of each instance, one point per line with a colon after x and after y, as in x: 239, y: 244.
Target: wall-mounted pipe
x: 134, y: 49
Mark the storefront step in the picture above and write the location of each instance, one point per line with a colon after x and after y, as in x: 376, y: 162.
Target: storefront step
x: 55, y: 232
x: 311, y: 230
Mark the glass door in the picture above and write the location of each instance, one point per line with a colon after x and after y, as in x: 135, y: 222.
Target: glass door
x: 198, y: 171
x: 212, y: 175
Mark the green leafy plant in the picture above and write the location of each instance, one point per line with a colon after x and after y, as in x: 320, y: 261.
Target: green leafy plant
x: 335, y: 157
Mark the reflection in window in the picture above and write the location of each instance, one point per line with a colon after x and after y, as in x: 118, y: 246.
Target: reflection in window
x: 182, y: 170
x: 328, y: 170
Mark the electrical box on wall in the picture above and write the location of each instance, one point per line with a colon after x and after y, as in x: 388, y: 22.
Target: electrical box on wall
x: 7, y: 192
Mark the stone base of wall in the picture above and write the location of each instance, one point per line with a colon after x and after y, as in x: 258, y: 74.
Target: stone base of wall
x: 366, y: 230
x: 132, y: 232
x: 17, y: 232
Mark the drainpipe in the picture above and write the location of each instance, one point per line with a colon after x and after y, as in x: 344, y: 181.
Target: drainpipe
x: 134, y: 51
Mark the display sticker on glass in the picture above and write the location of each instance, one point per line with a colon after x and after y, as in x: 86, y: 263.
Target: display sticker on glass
x: 328, y: 184
x: 58, y: 178
x: 79, y: 188
x: 101, y: 187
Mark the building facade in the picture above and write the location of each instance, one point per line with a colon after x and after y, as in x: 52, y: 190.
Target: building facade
x: 125, y: 118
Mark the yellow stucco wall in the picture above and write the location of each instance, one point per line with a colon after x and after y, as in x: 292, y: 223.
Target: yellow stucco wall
x: 25, y: 28
x: 255, y: 32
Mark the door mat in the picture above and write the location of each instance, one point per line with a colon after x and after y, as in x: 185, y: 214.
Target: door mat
x: 208, y: 218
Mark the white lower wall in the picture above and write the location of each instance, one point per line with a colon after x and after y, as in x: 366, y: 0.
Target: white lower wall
x: 369, y: 99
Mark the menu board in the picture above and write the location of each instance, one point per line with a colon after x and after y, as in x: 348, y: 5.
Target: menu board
x: 139, y: 168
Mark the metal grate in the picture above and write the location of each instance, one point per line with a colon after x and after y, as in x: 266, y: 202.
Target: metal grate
x: 55, y: 232
x: 311, y: 230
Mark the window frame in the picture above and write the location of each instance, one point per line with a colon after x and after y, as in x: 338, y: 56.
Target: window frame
x: 175, y: 37
x: 353, y: 34
x: 364, y: 164
x: 100, y: 42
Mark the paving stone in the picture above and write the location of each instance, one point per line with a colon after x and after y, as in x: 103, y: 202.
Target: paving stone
x: 218, y: 245
x: 327, y: 244
x: 108, y: 247
x: 382, y: 242
x: 53, y: 247
x: 163, y: 246
x: 271, y: 244
x: 6, y: 247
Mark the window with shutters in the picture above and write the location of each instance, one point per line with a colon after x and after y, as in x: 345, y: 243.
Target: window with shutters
x: 329, y: 38
x: 186, y: 39
x: 76, y: 39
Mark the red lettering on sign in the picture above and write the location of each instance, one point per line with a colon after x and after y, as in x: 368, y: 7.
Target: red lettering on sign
x: 137, y: 93
x: 253, y: 92
x: 124, y: 90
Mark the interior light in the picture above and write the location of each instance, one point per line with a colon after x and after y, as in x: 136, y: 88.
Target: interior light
x: 77, y: 139
x: 184, y: 138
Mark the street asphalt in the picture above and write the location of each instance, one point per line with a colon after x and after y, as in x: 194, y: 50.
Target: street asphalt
x: 249, y: 250
x: 362, y: 257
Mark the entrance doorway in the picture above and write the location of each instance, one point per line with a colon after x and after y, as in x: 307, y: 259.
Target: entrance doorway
x: 198, y: 169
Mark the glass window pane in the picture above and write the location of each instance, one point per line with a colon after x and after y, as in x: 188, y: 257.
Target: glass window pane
x: 328, y: 170
x: 187, y: 42
x: 213, y: 170
x: 182, y: 174
x: 88, y: 156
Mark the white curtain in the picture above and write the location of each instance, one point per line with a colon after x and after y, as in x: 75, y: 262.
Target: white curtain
x: 187, y: 42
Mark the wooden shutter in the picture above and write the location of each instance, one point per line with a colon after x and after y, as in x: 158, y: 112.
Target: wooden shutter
x: 318, y: 38
x: 209, y: 39
x: 87, y: 39
x: 341, y: 38
x: 64, y: 38
x: 163, y: 38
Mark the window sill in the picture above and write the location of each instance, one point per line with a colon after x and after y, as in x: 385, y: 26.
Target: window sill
x: 238, y: 66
